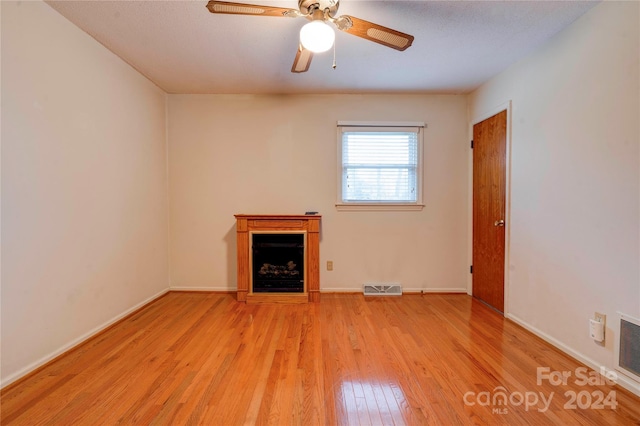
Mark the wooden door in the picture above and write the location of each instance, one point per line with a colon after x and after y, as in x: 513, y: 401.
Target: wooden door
x: 489, y: 194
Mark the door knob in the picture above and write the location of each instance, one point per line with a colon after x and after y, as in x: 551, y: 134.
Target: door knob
x: 499, y: 222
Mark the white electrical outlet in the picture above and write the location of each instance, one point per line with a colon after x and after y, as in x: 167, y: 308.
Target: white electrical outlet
x: 597, y: 327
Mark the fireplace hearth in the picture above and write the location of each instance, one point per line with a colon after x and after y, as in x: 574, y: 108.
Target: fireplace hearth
x: 278, y: 258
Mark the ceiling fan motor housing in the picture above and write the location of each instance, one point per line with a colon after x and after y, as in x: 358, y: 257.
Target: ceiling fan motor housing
x: 308, y: 6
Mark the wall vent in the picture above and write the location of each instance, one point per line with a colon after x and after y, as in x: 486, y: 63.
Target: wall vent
x: 382, y: 290
x: 627, y: 347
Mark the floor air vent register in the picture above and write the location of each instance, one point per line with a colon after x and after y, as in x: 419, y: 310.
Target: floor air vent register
x: 382, y: 290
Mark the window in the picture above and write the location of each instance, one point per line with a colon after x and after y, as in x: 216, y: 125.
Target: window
x: 380, y: 166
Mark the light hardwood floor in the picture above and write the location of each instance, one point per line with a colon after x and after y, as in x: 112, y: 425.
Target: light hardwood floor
x: 193, y: 358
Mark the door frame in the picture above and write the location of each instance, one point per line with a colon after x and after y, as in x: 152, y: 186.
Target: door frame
x: 507, y: 235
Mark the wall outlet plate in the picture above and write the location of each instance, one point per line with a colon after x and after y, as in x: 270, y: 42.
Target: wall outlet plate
x: 600, y: 318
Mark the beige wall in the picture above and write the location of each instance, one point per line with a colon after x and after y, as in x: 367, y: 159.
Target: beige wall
x: 277, y: 154
x: 84, y: 227
x: 575, y: 217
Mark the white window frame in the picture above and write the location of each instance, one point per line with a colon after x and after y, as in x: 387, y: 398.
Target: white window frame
x: 381, y: 126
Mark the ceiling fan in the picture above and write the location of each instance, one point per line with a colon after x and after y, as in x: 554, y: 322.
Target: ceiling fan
x: 316, y: 36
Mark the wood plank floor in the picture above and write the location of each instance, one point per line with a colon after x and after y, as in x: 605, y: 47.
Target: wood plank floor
x: 193, y: 358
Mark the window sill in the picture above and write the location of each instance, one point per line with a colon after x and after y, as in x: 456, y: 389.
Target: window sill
x: 378, y: 207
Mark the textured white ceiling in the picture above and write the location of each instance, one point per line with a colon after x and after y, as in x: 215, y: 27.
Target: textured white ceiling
x: 458, y: 45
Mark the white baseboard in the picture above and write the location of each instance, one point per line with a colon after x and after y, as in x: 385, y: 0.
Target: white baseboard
x: 42, y: 361
x: 328, y: 290
x: 404, y: 290
x: 203, y: 289
x: 622, y: 380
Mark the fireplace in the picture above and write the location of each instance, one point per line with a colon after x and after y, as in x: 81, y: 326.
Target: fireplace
x: 278, y: 258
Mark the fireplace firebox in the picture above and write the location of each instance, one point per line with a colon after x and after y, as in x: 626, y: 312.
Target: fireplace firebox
x: 278, y: 258
x: 277, y: 262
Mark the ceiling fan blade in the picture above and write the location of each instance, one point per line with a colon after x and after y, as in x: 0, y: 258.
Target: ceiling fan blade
x: 374, y: 32
x: 302, y: 61
x: 249, y: 9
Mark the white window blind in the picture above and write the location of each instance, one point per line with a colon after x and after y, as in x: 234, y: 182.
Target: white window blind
x: 380, y: 165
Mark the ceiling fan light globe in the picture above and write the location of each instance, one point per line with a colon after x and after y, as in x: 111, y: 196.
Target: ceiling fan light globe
x: 317, y: 36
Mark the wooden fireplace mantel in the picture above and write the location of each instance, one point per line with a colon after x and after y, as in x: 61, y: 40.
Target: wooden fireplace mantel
x: 245, y: 224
